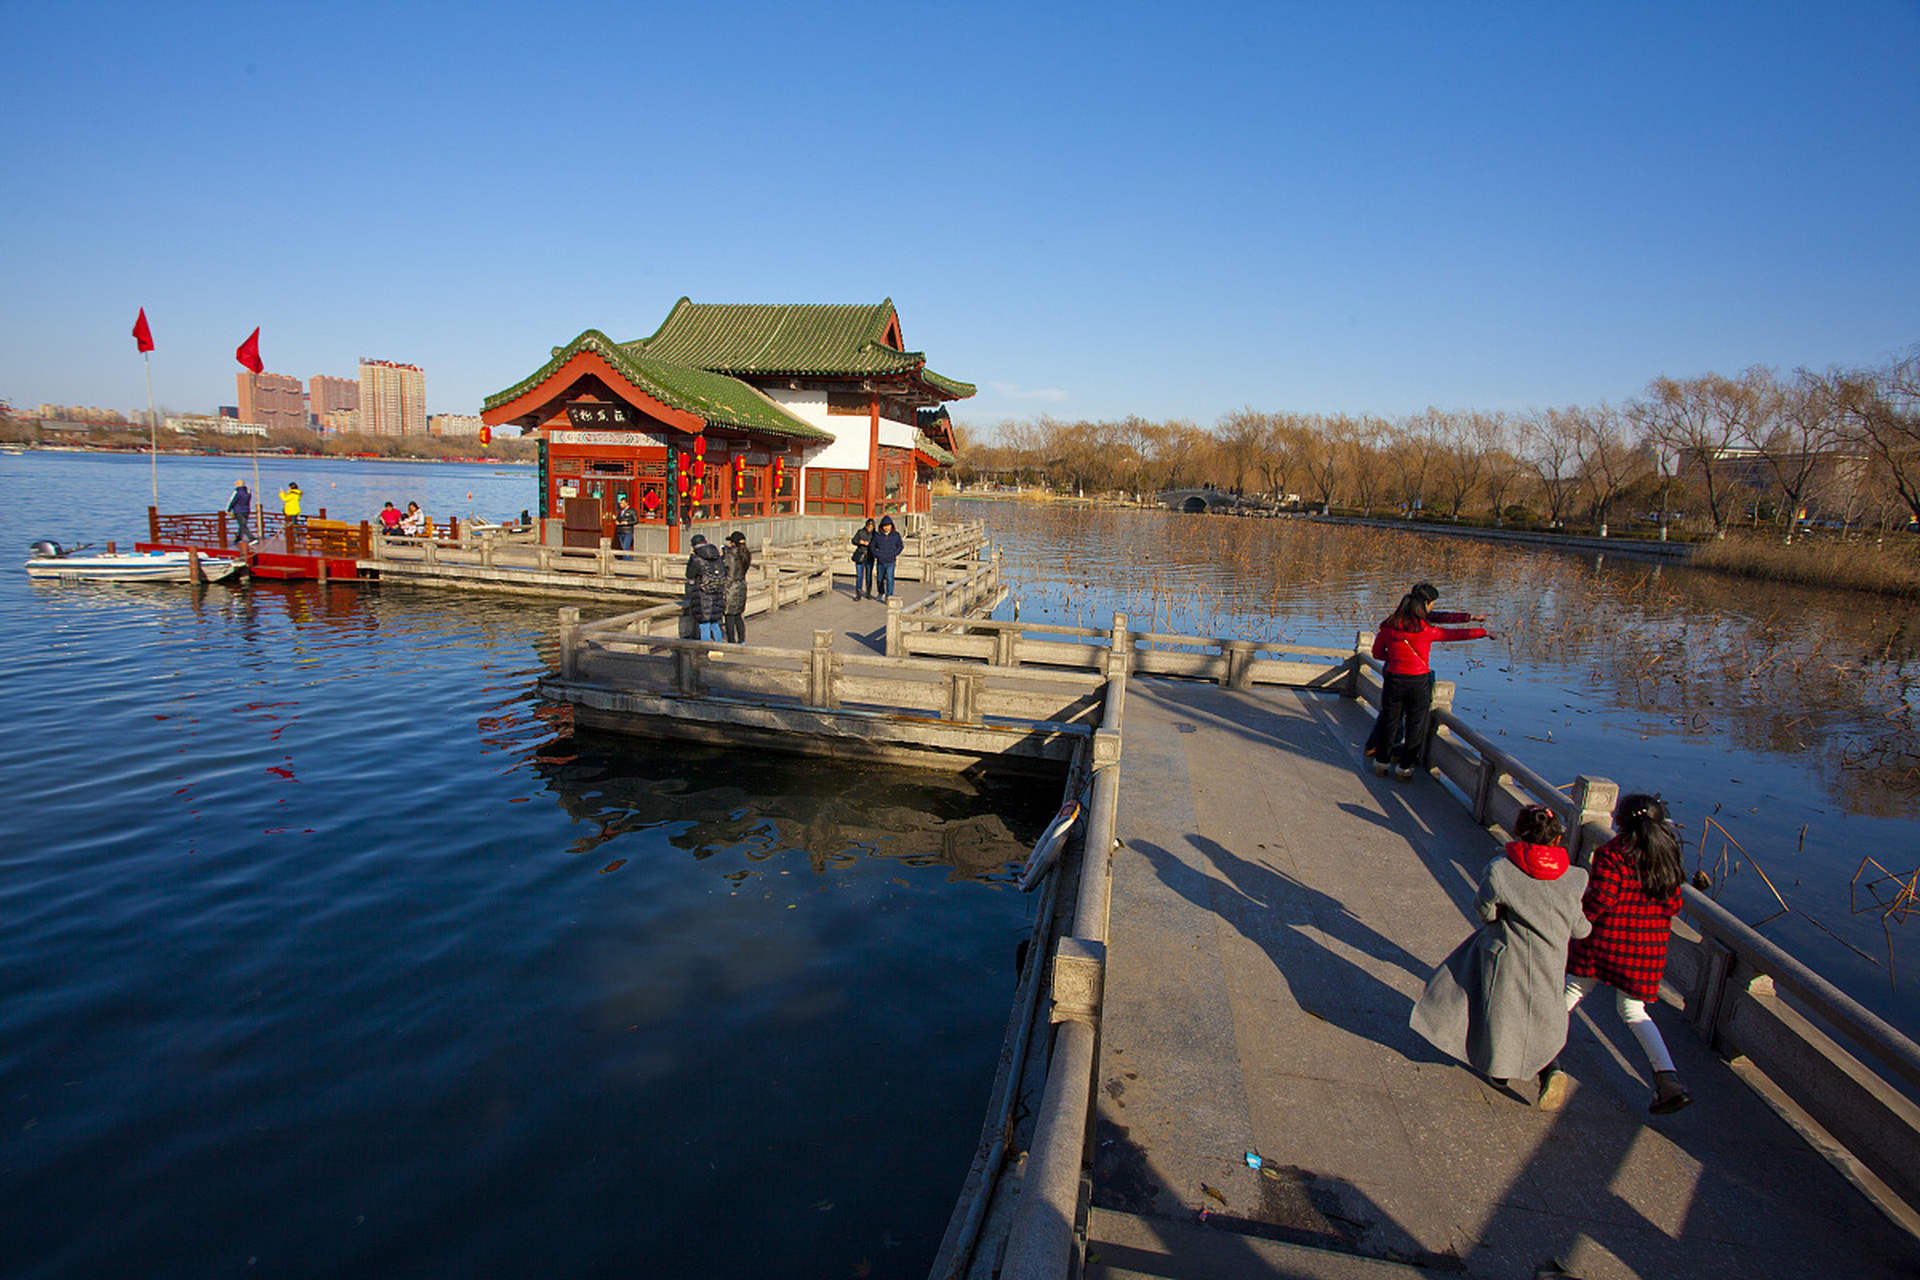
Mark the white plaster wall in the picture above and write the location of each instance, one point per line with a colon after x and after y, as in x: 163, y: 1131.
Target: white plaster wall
x: 849, y: 448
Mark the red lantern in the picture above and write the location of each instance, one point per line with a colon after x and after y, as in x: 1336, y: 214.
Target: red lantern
x: 739, y: 481
x: 699, y: 447
x: 696, y: 491
x: 683, y: 483
x: 699, y: 468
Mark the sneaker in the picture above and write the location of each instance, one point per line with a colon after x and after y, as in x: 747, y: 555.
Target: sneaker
x: 1379, y: 768
x: 1555, y: 1084
x: 1403, y: 772
x: 1669, y: 1095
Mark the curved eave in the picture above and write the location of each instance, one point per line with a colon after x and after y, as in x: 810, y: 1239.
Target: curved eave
x: 532, y: 402
x: 688, y: 399
x: 925, y: 450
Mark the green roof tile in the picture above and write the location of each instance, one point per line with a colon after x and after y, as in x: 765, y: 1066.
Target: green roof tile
x: 720, y: 400
x: 805, y: 339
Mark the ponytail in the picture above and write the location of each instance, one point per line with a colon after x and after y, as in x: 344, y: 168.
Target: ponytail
x: 1655, y: 845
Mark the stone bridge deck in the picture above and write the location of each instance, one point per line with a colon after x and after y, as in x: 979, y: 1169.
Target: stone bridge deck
x: 1275, y: 912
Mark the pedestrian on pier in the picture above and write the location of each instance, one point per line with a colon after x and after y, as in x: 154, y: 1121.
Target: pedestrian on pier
x: 414, y: 523
x: 290, y: 506
x: 1403, y: 641
x: 863, y: 560
x: 733, y: 613
x: 1498, y: 1002
x: 886, y: 548
x: 241, y: 505
x: 706, y: 587
x: 1632, y: 896
x: 390, y: 518
x: 624, y: 521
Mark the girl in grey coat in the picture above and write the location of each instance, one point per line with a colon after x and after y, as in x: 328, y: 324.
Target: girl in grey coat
x: 1498, y: 1003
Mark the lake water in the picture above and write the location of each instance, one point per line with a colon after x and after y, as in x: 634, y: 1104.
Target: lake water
x: 329, y: 950
x: 1778, y: 721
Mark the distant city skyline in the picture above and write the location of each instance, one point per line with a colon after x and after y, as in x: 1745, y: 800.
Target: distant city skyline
x: 1088, y: 212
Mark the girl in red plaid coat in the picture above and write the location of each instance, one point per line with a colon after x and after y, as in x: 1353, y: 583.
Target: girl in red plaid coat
x: 1633, y: 893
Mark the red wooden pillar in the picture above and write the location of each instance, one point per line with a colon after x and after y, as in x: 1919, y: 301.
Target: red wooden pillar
x: 873, y: 456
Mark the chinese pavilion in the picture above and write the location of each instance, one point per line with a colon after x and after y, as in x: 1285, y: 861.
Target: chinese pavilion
x: 735, y: 413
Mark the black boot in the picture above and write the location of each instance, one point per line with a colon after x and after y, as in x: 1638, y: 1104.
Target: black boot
x: 1669, y: 1095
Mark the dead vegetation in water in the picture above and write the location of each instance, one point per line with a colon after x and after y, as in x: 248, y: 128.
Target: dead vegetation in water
x: 1894, y: 898
x: 1889, y: 566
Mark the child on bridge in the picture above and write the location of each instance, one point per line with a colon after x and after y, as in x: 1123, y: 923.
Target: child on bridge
x: 1497, y: 1002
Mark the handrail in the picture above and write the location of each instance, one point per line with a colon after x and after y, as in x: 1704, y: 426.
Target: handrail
x: 1840, y: 1011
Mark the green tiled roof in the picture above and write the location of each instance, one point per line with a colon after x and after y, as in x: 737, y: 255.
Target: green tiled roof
x: 806, y: 339
x: 720, y: 400
x: 932, y: 450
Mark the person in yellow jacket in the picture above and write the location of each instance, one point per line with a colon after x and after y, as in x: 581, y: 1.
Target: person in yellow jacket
x: 290, y: 506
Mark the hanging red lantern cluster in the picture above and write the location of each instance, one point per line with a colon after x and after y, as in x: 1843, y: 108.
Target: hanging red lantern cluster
x: 682, y: 475
x: 779, y: 474
x: 739, y: 480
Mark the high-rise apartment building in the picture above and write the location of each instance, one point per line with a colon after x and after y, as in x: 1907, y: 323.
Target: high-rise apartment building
x: 393, y: 399
x: 327, y: 396
x: 275, y: 401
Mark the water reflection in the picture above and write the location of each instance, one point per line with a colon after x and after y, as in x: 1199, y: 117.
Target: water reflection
x: 758, y: 808
x: 1778, y: 720
x: 1777, y: 668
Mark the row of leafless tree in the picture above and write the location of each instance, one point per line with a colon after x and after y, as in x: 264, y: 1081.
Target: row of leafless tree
x: 1711, y: 450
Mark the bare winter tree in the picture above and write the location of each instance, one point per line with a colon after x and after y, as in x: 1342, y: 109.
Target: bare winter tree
x: 1798, y: 434
x: 1883, y: 409
x: 1548, y: 436
x: 1608, y: 459
x: 1701, y: 421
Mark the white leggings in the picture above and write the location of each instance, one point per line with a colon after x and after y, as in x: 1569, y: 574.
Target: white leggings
x: 1632, y: 1012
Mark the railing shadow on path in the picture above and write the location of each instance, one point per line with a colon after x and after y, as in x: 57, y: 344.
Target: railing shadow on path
x: 1294, y: 923
x: 1446, y: 1170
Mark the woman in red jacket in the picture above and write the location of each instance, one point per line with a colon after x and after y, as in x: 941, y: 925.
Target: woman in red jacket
x: 1633, y: 893
x: 1406, y: 698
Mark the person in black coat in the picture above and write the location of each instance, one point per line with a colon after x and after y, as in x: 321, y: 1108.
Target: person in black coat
x: 887, y: 546
x: 706, y: 587
x: 863, y: 561
x: 733, y: 615
x: 241, y: 504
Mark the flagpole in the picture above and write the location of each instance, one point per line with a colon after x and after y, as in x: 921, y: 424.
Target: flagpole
x: 259, y: 499
x: 153, y: 431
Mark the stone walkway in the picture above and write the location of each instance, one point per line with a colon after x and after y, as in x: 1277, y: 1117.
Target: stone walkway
x: 1276, y: 910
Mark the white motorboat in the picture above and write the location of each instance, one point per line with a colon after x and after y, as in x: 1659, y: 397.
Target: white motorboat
x: 50, y: 561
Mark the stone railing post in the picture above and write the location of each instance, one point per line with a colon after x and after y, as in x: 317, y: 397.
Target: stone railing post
x: 604, y: 562
x: 820, y: 687
x: 893, y: 627
x: 569, y: 643
x: 1593, y: 801
x: 1239, y: 656
x: 1442, y: 701
x: 963, y: 697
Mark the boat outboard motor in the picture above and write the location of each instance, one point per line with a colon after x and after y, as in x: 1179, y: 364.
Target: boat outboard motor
x: 44, y: 549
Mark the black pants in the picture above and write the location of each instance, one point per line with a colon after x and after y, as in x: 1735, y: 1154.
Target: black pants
x: 1400, y: 734
x: 733, y: 628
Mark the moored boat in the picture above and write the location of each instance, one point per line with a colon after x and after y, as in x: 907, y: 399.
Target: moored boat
x: 49, y: 561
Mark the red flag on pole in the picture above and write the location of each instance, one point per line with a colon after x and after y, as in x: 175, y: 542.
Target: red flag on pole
x: 248, y: 352
x: 142, y: 334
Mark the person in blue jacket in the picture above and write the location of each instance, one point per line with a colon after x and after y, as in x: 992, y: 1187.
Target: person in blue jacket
x: 887, y: 546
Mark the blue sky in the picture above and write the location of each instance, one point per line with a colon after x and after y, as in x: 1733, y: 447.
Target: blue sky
x: 1089, y: 210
